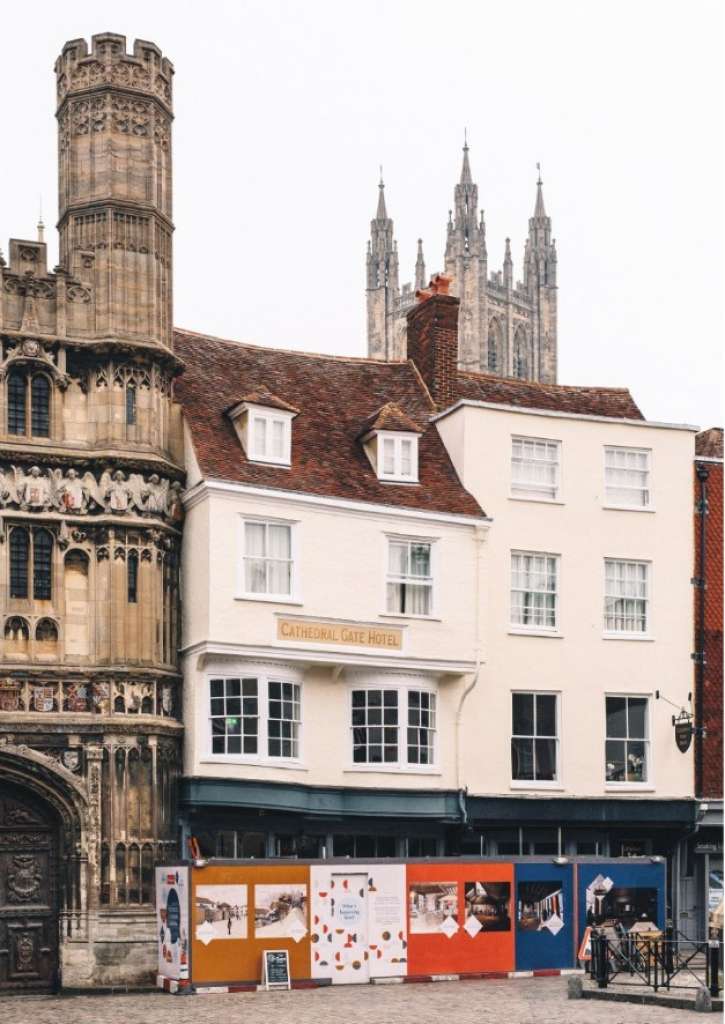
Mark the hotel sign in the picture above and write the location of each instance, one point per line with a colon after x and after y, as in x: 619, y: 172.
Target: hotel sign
x: 341, y: 634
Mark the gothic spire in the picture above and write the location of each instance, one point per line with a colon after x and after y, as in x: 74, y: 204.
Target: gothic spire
x: 466, y: 178
x: 539, y: 210
x: 420, y: 278
x: 382, y: 213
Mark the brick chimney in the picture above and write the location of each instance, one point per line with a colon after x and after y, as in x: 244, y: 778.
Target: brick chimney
x: 433, y: 339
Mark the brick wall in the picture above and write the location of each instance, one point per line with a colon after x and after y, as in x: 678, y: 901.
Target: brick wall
x: 712, y: 704
x: 433, y: 345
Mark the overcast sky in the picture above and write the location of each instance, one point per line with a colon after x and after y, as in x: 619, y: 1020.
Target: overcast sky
x: 285, y: 110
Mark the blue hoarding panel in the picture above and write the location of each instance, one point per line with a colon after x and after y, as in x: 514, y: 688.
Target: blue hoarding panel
x: 544, y: 911
x: 621, y: 893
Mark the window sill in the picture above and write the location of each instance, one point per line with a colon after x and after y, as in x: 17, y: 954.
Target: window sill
x: 395, y: 480
x: 389, y: 769
x: 539, y: 501
x: 268, y: 599
x: 255, y: 762
x: 629, y: 508
x: 405, y: 615
x: 638, y: 637
x: 632, y: 787
x: 547, y: 786
x: 514, y: 631
x: 269, y: 462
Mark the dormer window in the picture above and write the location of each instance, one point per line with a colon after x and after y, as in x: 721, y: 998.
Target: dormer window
x: 263, y: 423
x: 271, y: 436
x: 390, y: 439
x: 398, y: 457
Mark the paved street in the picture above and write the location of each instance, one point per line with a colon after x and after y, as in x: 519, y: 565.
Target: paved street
x: 525, y: 1001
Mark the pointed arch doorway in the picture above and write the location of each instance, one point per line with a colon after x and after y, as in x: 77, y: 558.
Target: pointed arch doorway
x: 29, y: 842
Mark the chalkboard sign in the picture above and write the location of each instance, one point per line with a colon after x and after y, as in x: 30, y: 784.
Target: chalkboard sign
x: 275, y: 969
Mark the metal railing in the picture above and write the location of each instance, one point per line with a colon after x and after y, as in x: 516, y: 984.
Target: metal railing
x: 672, y: 961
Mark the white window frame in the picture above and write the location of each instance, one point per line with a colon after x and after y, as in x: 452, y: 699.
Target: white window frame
x: 401, y: 765
x: 611, y: 502
x: 396, y: 438
x: 259, y: 413
x: 532, y: 491
x: 649, y: 783
x: 262, y: 756
x: 430, y: 581
x: 554, y: 783
x: 250, y: 595
x: 534, y: 628
x: 629, y: 634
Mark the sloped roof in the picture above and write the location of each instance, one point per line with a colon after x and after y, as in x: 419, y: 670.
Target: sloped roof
x: 261, y: 396
x: 708, y: 443
x: 390, y: 417
x: 614, y: 402
x: 335, y: 396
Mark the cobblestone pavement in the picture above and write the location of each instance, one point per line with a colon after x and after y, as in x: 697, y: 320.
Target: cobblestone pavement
x: 522, y: 1001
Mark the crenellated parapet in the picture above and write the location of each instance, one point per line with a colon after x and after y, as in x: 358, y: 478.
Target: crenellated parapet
x: 145, y: 71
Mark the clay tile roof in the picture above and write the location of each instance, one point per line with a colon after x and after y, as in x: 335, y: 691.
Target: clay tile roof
x: 615, y: 402
x: 390, y: 417
x: 261, y: 396
x: 708, y: 443
x: 334, y: 395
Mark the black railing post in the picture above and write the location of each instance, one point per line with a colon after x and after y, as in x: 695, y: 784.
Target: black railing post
x: 655, y: 946
x: 602, y: 972
x: 713, y: 963
x: 669, y: 952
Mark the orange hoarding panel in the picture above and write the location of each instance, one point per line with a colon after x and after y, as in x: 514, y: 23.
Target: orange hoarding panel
x: 460, y: 918
x: 238, y: 911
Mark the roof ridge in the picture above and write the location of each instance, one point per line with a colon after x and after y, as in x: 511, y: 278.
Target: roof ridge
x: 478, y: 375
x: 292, y: 351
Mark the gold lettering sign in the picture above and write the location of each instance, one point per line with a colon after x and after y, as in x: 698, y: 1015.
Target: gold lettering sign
x: 341, y: 634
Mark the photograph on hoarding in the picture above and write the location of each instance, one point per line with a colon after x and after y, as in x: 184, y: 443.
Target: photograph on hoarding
x: 540, y: 906
x: 610, y: 905
x: 487, y: 907
x: 280, y: 911
x: 220, y: 912
x: 433, y: 907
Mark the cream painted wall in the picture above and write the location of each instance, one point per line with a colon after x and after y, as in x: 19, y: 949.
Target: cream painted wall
x: 340, y: 560
x: 579, y: 664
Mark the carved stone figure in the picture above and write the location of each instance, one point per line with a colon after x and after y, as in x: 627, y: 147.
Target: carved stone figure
x: 117, y: 495
x: 34, y: 492
x: 72, y: 494
x: 174, y: 506
x: 154, y: 495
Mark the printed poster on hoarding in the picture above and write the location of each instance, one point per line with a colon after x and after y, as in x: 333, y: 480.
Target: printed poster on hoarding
x: 172, y: 921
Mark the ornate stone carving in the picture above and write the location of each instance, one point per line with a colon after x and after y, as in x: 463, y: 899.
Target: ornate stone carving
x: 34, y: 492
x: 76, y: 292
x: 24, y: 953
x: 24, y: 879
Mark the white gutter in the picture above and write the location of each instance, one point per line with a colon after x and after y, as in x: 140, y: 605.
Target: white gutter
x: 556, y: 414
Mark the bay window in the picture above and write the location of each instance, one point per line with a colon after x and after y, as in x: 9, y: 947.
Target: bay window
x: 393, y: 727
x: 255, y: 717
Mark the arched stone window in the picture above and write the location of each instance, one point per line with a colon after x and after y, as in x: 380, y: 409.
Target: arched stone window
x: 130, y: 405
x: 521, y: 366
x: 17, y: 636
x: 42, y: 565
x: 132, y: 577
x: 46, y: 632
x: 28, y: 404
x: 19, y: 557
x: 494, y: 359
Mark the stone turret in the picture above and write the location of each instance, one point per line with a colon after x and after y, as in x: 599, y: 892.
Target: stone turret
x: 114, y: 187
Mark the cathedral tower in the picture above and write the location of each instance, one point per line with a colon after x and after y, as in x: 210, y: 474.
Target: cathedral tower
x: 506, y: 327
x: 90, y: 526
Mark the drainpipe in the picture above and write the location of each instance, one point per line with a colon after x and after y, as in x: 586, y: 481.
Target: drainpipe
x: 480, y: 537
x: 703, y: 473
